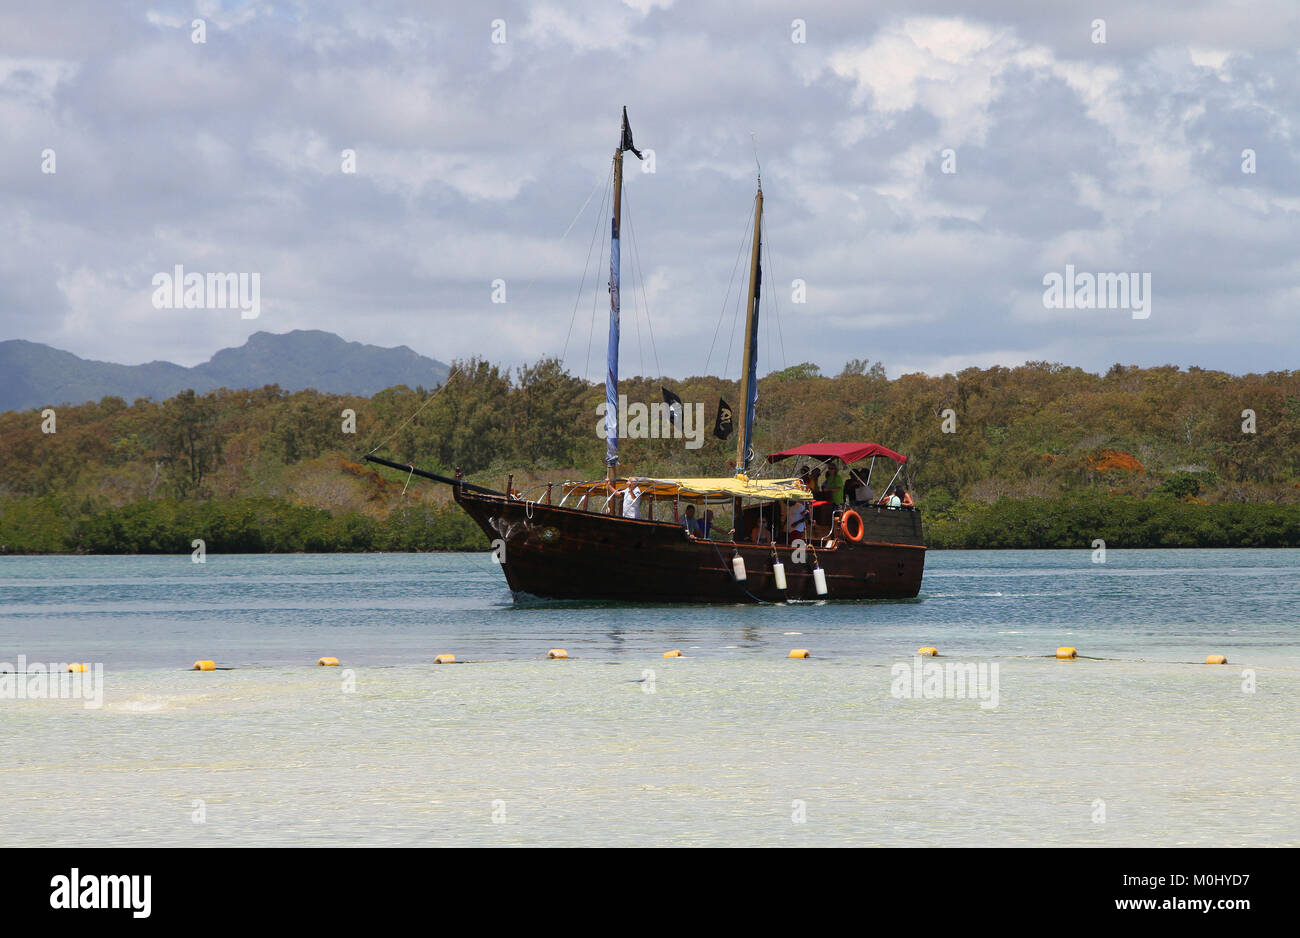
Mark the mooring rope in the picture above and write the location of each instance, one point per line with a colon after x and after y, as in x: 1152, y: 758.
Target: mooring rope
x: 730, y: 572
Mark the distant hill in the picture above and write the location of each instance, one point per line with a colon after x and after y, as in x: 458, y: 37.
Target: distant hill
x: 36, y: 375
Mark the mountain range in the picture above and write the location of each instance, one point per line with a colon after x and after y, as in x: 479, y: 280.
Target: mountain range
x: 37, y: 375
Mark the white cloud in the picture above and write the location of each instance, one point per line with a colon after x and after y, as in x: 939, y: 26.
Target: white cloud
x: 472, y: 157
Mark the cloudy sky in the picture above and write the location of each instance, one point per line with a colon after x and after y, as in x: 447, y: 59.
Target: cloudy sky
x: 474, y: 156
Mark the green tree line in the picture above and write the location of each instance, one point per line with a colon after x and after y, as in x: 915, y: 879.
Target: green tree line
x: 1037, y: 455
x: 50, y: 524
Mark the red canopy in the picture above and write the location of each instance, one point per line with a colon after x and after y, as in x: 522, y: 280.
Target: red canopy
x: 849, y: 452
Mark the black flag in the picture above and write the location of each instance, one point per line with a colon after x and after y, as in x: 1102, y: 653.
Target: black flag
x: 627, y: 137
x: 722, y: 425
x: 674, y: 407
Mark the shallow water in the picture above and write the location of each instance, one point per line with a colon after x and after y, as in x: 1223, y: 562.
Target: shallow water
x: 733, y: 744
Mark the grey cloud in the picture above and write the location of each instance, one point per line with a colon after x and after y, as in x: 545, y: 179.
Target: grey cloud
x: 472, y: 158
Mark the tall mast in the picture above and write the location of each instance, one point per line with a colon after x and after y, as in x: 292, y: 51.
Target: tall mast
x: 749, y: 388
x: 611, y: 355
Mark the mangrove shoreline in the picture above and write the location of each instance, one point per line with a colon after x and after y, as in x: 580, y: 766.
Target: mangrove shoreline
x: 58, y: 525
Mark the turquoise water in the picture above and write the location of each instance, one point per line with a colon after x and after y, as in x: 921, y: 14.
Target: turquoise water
x: 732, y: 744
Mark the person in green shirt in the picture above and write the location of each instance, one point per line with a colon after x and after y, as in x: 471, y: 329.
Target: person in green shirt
x: 833, y: 485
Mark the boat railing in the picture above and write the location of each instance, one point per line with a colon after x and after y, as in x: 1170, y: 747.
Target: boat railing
x: 576, y: 496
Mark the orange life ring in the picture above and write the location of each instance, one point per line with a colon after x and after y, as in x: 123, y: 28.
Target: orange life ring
x: 852, y: 534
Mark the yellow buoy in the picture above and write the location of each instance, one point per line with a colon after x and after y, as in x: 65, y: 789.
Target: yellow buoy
x: 800, y: 653
x: 204, y: 666
x: 77, y: 668
x: 929, y: 651
x: 1066, y: 653
x: 1216, y: 659
x: 557, y: 653
x: 445, y: 659
x: 673, y: 654
x: 328, y: 662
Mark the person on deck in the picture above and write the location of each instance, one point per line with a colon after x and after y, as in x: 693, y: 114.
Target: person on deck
x: 798, y: 522
x: 706, y: 526
x: 899, y: 498
x: 632, y: 502
x: 852, y: 482
x: 690, y: 523
x: 833, y: 485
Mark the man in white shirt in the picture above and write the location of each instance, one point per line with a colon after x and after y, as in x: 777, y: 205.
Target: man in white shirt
x: 632, y: 502
x: 798, y: 520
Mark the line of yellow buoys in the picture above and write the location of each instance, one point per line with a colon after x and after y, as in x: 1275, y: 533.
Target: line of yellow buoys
x: 1064, y: 653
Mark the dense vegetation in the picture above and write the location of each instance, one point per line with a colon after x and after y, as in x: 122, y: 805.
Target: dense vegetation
x: 1040, y: 455
x: 1118, y: 520
x: 52, y: 524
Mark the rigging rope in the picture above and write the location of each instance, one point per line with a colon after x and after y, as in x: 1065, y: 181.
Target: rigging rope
x: 560, y: 240
x: 455, y: 368
x: 595, y: 298
x: 645, y: 301
x: 636, y: 319
x: 776, y: 306
x: 731, y: 341
x: 427, y: 400
x: 587, y: 264
x: 722, y: 312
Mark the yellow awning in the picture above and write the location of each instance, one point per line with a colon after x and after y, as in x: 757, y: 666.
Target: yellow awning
x: 772, y: 489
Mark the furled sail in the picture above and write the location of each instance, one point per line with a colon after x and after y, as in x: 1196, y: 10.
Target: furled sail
x: 611, y: 353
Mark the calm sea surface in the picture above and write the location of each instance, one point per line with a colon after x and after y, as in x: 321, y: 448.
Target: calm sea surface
x: 1138, y: 743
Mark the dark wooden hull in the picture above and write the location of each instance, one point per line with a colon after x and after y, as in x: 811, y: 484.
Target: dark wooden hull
x: 566, y: 553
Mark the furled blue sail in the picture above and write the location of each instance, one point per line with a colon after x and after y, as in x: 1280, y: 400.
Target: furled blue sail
x: 611, y: 354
